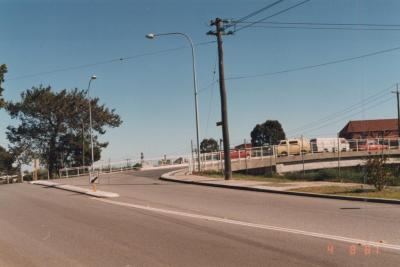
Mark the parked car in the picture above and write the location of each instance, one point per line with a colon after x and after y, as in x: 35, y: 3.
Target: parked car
x: 371, y: 144
x: 293, y: 147
x: 329, y: 144
x: 236, y: 153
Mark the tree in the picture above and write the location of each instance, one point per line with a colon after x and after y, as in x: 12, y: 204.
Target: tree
x: 208, y: 145
x: 6, y: 161
x: 269, y: 131
x: 51, y: 129
x: 377, y: 173
x: 3, y: 70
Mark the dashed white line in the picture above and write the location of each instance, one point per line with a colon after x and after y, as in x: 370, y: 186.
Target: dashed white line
x: 253, y: 225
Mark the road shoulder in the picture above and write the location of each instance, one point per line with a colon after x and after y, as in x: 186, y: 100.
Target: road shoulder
x: 182, y: 176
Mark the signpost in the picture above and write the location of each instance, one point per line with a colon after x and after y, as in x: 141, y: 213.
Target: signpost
x: 92, y: 179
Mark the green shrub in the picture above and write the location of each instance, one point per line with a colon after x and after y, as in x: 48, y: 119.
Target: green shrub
x: 378, y: 173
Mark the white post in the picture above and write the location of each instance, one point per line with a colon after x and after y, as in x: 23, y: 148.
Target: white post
x: 220, y: 160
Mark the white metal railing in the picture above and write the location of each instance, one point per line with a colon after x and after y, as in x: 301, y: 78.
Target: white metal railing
x: 102, y: 167
x: 7, y: 178
x: 338, y: 147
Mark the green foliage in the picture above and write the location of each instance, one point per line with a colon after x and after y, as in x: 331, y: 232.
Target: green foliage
x: 137, y: 165
x: 208, y: 145
x: 3, y: 70
x: 52, y: 126
x: 349, y: 174
x: 6, y: 161
x: 377, y: 173
x: 269, y: 131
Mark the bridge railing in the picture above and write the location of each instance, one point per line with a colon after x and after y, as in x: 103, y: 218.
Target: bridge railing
x: 103, y: 167
x: 9, y: 178
x: 339, y: 147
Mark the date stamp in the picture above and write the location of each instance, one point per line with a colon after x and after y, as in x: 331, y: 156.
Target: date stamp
x: 353, y: 250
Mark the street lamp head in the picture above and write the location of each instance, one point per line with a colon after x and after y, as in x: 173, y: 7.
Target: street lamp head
x: 150, y: 36
x: 94, y: 77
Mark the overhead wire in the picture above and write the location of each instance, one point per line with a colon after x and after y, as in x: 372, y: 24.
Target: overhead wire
x: 271, y: 16
x: 120, y: 59
x: 319, y: 23
x: 253, y: 13
x: 349, y: 116
x: 240, y: 77
x: 357, y: 105
x: 325, y: 28
x: 212, y: 95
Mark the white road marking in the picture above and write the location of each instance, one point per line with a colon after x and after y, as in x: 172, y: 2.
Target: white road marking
x: 253, y: 225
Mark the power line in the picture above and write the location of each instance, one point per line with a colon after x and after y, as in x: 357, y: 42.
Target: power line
x: 120, y: 59
x: 338, y: 118
x: 212, y: 94
x: 357, y: 105
x: 320, y: 23
x: 239, y: 77
x: 253, y: 14
x: 273, y: 15
x: 349, y: 116
x: 208, y: 86
x: 325, y: 28
x: 323, y: 121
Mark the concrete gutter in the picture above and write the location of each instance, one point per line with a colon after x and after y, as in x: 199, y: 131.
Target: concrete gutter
x: 171, y: 178
x: 72, y: 188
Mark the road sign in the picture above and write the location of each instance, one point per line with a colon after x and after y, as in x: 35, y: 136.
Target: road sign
x: 93, y: 178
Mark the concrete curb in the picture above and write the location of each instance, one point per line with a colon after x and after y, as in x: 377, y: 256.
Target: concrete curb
x: 170, y: 177
x: 72, y: 188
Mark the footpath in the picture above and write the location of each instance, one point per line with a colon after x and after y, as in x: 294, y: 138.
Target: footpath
x: 76, y: 189
x: 182, y: 176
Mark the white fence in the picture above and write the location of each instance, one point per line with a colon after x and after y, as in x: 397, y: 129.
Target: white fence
x: 215, y: 160
x: 102, y: 167
x: 9, y: 178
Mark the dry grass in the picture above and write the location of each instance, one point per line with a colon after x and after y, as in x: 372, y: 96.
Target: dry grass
x: 246, y: 177
x: 357, y: 191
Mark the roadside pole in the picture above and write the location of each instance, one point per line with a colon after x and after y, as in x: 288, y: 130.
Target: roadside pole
x: 245, y: 156
x: 398, y: 109
x: 271, y: 149
x: 224, y: 109
x: 302, y: 155
x: 193, y: 165
x: 338, y: 151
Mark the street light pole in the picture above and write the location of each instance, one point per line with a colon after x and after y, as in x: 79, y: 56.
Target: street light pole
x: 91, y: 125
x: 152, y: 36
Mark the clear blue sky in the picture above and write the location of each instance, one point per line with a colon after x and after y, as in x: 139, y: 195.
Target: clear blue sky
x: 154, y: 94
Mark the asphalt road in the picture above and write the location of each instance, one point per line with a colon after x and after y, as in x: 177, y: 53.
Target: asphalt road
x: 156, y: 223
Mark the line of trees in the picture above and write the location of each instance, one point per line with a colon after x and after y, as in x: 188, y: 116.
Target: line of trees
x: 270, y: 132
x: 54, y: 126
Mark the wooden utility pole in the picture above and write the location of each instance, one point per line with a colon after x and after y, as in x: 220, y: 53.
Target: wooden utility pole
x: 224, y: 109
x: 398, y: 109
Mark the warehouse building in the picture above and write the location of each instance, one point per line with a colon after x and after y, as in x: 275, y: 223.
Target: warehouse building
x: 369, y: 129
